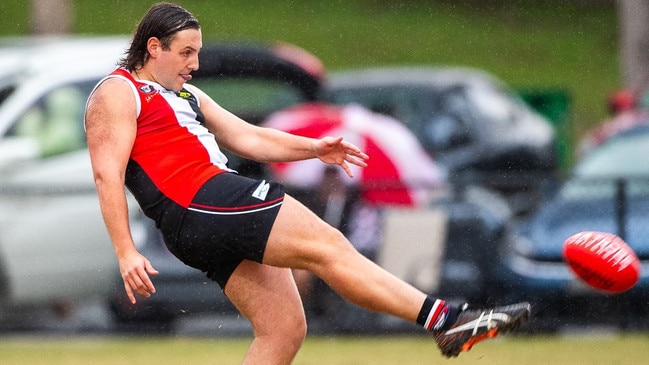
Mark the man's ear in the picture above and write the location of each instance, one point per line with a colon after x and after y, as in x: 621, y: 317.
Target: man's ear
x: 154, y: 47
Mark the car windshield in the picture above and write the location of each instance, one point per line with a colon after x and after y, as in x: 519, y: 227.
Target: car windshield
x: 55, y: 121
x: 401, y: 102
x: 625, y: 156
x: 492, y: 104
x: 623, y: 161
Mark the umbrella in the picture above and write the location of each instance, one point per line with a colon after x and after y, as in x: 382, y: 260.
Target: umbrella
x: 399, y: 171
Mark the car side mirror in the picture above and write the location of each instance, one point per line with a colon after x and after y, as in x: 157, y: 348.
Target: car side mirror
x: 14, y: 150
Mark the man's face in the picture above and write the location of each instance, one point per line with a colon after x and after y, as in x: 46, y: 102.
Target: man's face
x: 173, y: 66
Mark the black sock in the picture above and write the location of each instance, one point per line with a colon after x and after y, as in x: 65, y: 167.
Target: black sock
x: 436, y: 314
x: 433, y: 314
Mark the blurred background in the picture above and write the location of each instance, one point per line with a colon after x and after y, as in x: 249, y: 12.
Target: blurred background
x: 500, y: 123
x: 574, y: 46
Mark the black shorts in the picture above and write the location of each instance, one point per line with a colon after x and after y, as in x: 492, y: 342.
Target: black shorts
x: 229, y: 220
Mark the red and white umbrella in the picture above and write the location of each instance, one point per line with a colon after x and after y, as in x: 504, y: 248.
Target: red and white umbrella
x: 399, y: 171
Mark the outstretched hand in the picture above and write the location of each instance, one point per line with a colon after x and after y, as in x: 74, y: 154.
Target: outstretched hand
x: 135, y: 270
x: 335, y: 151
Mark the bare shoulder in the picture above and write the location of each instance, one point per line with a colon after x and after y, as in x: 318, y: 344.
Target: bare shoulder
x: 113, y: 96
x: 110, y: 107
x: 111, y: 91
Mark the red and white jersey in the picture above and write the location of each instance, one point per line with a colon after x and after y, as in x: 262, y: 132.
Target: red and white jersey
x: 174, y: 154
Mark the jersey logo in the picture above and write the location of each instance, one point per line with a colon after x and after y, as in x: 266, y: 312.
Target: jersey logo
x: 193, y: 102
x: 184, y: 94
x: 261, y: 191
x: 147, y: 89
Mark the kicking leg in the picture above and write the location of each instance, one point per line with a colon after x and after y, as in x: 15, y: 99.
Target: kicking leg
x: 299, y: 239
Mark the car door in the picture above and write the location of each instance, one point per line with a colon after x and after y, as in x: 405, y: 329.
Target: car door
x: 53, y: 244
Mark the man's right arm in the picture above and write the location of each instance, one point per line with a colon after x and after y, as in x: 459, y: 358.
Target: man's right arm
x: 110, y: 130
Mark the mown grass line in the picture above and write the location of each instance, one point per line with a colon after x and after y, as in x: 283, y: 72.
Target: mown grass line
x: 627, y: 349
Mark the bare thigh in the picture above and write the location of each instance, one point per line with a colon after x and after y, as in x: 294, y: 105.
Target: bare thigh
x: 299, y: 239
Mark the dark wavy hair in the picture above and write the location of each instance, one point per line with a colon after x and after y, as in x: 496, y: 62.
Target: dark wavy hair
x: 163, y: 21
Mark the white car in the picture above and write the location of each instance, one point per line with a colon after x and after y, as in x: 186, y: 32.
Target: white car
x: 53, y: 242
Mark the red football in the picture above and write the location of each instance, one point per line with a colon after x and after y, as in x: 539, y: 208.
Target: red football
x: 602, y: 260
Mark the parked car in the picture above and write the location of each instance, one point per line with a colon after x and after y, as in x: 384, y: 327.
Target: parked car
x: 467, y: 120
x: 607, y: 191
x: 53, y: 246
x: 618, y: 123
x: 53, y: 243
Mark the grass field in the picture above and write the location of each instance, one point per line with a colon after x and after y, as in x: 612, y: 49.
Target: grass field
x: 627, y: 349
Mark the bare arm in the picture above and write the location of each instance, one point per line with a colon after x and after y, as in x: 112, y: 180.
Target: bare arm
x: 110, y: 128
x: 271, y: 145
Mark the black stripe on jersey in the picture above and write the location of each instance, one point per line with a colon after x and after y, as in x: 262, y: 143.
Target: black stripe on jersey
x: 193, y: 102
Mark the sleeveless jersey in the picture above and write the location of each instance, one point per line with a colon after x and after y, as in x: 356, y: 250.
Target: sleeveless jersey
x: 173, y: 154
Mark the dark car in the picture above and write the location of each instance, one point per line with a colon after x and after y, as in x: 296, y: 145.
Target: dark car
x: 467, y: 120
x: 607, y: 191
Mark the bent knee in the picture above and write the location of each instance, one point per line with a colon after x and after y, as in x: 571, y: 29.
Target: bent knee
x: 294, y: 327
x: 297, y: 332
x: 288, y: 330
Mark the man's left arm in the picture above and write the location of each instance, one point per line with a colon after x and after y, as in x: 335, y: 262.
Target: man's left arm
x: 271, y: 145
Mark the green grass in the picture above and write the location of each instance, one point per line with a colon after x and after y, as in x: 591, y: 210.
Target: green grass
x: 629, y: 349
x: 529, y: 44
